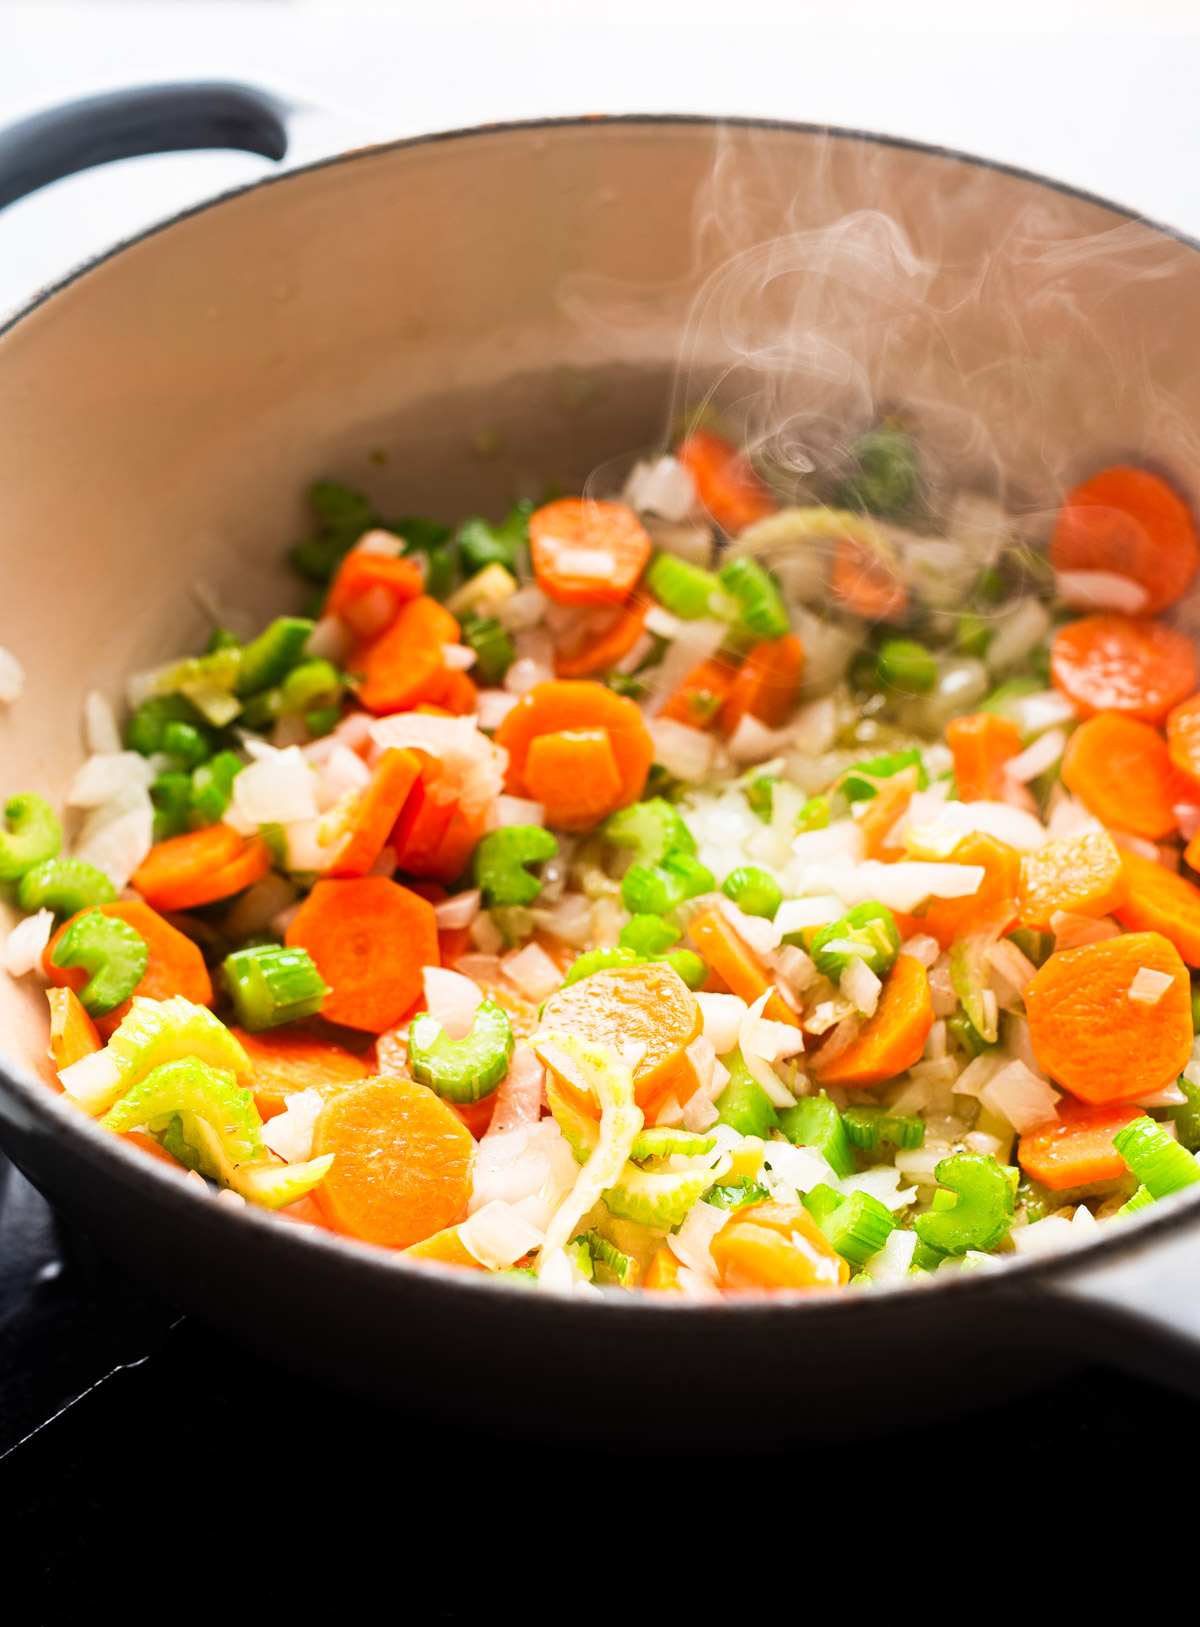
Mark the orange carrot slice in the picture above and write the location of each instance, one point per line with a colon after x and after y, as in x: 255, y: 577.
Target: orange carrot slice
x: 586, y: 552
x: 1160, y: 901
x: 454, y: 694
x: 981, y: 745
x: 1080, y: 875
x: 1130, y: 523
x: 604, y: 649
x: 1092, y: 1037
x: 662, y: 1275
x: 369, y: 939
x: 284, y: 1061
x: 728, y: 957
x: 756, y: 1249
x: 72, y: 1032
x: 1113, y: 663
x: 725, y: 481
x: 444, y: 1248
x: 945, y: 918
x: 378, y: 811
x: 174, y: 869
x: 574, y: 774
x: 1076, y: 1147
x: 175, y: 965
x: 1120, y: 770
x: 1183, y: 741
x: 702, y: 694
x: 405, y: 665
x: 572, y: 704
x: 767, y: 685
x: 876, y: 817
x: 892, y: 1039
x: 864, y: 582
x: 363, y: 573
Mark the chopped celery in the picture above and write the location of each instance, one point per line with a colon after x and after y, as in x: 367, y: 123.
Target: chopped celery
x: 481, y: 544
x: 973, y: 1211
x: 737, y: 1193
x: 887, y: 478
x: 274, y: 1186
x: 494, y: 652
x: 270, y: 985
x: 309, y: 685
x: 648, y: 935
x: 1035, y: 946
x: 759, y: 600
x: 760, y: 796
x: 171, y: 794
x: 188, y: 1085
x: 623, y: 683
x: 268, y: 658
x: 614, y: 1266
x: 814, y: 1121
x: 868, y: 932
x: 323, y: 721
x: 146, y: 729
x: 684, y: 589
x: 653, y: 829
x: 856, y: 783
x: 1156, y: 1158
x: 185, y: 742
x: 689, y: 966
x: 462, y: 1070
x: 990, y: 586
x: 1001, y: 699
x: 1187, y: 1117
x: 821, y: 1200
x: 29, y: 834
x: 966, y: 1033
x: 858, y: 1227
x: 111, y: 952
x: 743, y: 1104
x: 1141, y: 1199
x: 658, y: 889
x: 814, y: 815
x: 579, y: 1252
x: 500, y: 859
x: 661, y: 1140
x: 158, y: 1031
x: 600, y: 960
x: 904, y: 664
x: 212, y: 786
x: 654, y: 1199
x: 871, y: 1126
x: 65, y: 886
x: 973, y: 634
x: 754, y: 891
x: 969, y: 974
x: 206, y: 682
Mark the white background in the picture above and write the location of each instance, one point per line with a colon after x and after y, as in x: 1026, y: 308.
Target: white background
x: 1101, y: 93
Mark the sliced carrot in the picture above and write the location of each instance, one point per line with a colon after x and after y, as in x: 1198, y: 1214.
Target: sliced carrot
x: 646, y: 1005
x: 405, y: 664
x: 284, y: 1061
x: 1113, y: 663
x: 1079, y: 875
x: 378, y: 811
x: 757, y: 1249
x: 458, y: 841
x: 242, y: 871
x: 1183, y: 741
x: 423, y: 823
x: 1128, y: 522
x: 1191, y: 853
x: 662, y: 1275
x: 1120, y: 770
x: 585, y: 552
x: 1076, y: 1147
x: 767, y: 685
x: 1094, y: 1039
x: 945, y: 918
x: 369, y: 939
x: 361, y: 574
x: 444, y: 1248
x: 174, y: 869
x: 863, y: 582
x: 455, y: 694
x: 702, y: 694
x: 981, y: 745
x: 476, y: 1116
x: 575, y: 776
x: 570, y: 704
x: 401, y: 1160
x: 72, y: 1032
x: 599, y: 651
x: 892, y: 1039
x: 732, y: 962
x: 453, y: 941
x: 876, y: 817
x: 725, y: 481
x: 175, y: 965
x: 1160, y: 901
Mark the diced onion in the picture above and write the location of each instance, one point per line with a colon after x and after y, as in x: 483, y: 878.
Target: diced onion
x: 979, y: 1073
x: 1044, y: 709
x: 1101, y: 590
x: 1037, y: 758
x: 904, y: 886
x: 519, y: 1097
x: 1149, y: 986
x: 521, y: 1162
x: 692, y: 1243
x: 1012, y: 971
x: 1136, y: 844
x: 290, y: 1133
x: 1016, y: 1094
x: 105, y: 775
x: 277, y: 790
x: 473, y: 768
x: 343, y: 770
x: 522, y: 610
x: 458, y: 657
x: 664, y: 487
x: 759, y: 935
x: 860, y: 986
x: 570, y: 920
x: 1015, y: 633
x: 117, y: 836
x: 843, y: 837
x: 531, y: 972
x: 801, y: 1167
x: 452, y: 999
x: 12, y: 678
x: 92, y: 1080
x: 794, y: 914
x: 757, y: 1049
x: 494, y: 705
x: 384, y: 543
x: 686, y: 753
x: 26, y: 941
x: 497, y: 1235
x: 722, y: 1018
x: 458, y: 911
x: 921, y: 947
x: 99, y: 724
x: 518, y: 811
x: 1020, y: 830
x: 753, y: 742
x: 694, y: 642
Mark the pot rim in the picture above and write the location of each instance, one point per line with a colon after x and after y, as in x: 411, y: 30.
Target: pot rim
x: 35, y: 1101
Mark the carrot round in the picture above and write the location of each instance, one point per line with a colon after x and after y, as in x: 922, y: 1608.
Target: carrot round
x: 646, y: 1005
x: 405, y: 664
x: 1120, y: 770
x: 662, y: 1274
x: 725, y: 481
x: 981, y: 745
x: 72, y: 1032
x: 574, y: 774
x: 453, y: 693
x: 422, y: 825
x: 173, y: 869
x: 361, y: 573
x: 401, y: 1162
x: 876, y: 817
x: 731, y: 961
x: 1114, y: 663
x: 702, y: 694
x: 1080, y: 875
x: 243, y: 870
x: 1092, y: 1037
x: 1128, y: 522
x: 175, y: 965
x: 604, y: 649
x: 947, y: 917
x: 284, y: 1061
x: 1183, y: 740
x: 455, y: 847
x: 378, y: 811
x: 1076, y: 1147
x: 444, y: 1248
x: 864, y: 583
x: 893, y: 1038
x: 1158, y: 900
x: 563, y: 705
x: 757, y: 1248
x: 585, y: 552
x: 369, y: 939
x: 767, y: 685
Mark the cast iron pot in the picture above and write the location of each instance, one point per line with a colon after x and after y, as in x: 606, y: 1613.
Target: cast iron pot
x: 485, y: 309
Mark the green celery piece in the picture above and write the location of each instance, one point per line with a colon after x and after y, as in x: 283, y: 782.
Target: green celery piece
x: 661, y: 1141
x: 187, y: 743
x: 689, y: 966
x: 684, y: 589
x: 814, y: 815
x: 152, y: 1033
x: 904, y: 664
x: 211, y: 788
x: 973, y: 634
x: 111, y: 952
x: 627, y: 684
x: 171, y: 794
x: 969, y: 975
x: 579, y: 1252
x: 754, y: 891
x: 1012, y: 689
x: 29, y: 834
x: 499, y: 863
x: 759, y: 600
x: 462, y: 1070
x: 1039, y: 1201
x: 887, y: 478
x: 868, y: 932
x: 653, y: 829
x: 655, y: 1199
x: 760, y: 796
x: 481, y: 544
x: 1156, y: 1158
x: 310, y: 685
x: 272, y: 984
x: 579, y: 1130
x: 859, y: 789
x: 614, y: 1266
x: 870, y: 1126
x: 738, y: 1193
x: 658, y: 889
x: 979, y: 1211
x: 344, y: 516
x: 990, y: 586
x: 648, y: 935
x: 743, y: 1104
x: 601, y: 960
x: 275, y: 1186
x: 1035, y: 946
x: 821, y: 1201
x: 1141, y: 1199
x: 206, y: 682
x: 271, y: 656
x: 815, y: 1122
x: 967, y: 1035
x: 1187, y: 1117
x: 494, y: 651
x: 145, y: 729
x: 323, y: 721
x: 859, y: 1227
x: 188, y: 1085
x: 64, y: 885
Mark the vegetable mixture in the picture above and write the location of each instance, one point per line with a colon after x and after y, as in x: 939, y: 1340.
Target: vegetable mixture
x: 735, y: 886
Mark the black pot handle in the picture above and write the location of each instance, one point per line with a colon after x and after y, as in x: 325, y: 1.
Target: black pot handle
x: 132, y: 123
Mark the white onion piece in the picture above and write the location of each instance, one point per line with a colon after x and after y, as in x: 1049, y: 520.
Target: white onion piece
x: 343, y: 770
x: 497, y: 1235
x: 1012, y: 972
x: 1044, y: 709
x: 99, y: 724
x: 278, y: 789
x: 775, y: 1041
x: 814, y: 846
x: 1069, y: 817
x: 452, y: 999
x: 105, y: 775
x: 1149, y: 986
x: 458, y: 911
x: 694, y: 642
x: 893, y: 885
x: 330, y: 640
x: 518, y: 811
x: 686, y: 753
x: 12, y: 678
x: 1037, y: 758
x: 519, y: 1097
x: 1169, y: 1096
x: 92, y: 1081
x: 882, y: 1181
x: 922, y: 947
x: 1073, y: 931
x: 753, y: 1047
x: 692, y: 1243
x: 1043, y: 1237
x: 531, y: 972
x: 664, y: 487
x: 487, y: 938
x: 860, y: 986
x: 801, y: 1167
x: 754, y: 742
x: 1101, y: 590
x: 1018, y: 1095
x: 26, y: 941
x: 385, y: 543
x: 722, y: 1018
x: 794, y: 914
x: 290, y: 1133
x: 1136, y: 844
x: 570, y: 920
x: 1011, y: 825
x: 1015, y: 632
x: 522, y: 610
x: 117, y: 836
x: 473, y: 768
x: 979, y: 1073
x: 661, y: 623
x: 891, y: 1265
x: 525, y: 674
x: 759, y: 935
x: 458, y: 657
x: 494, y: 706
x: 794, y: 968
x: 521, y: 1162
